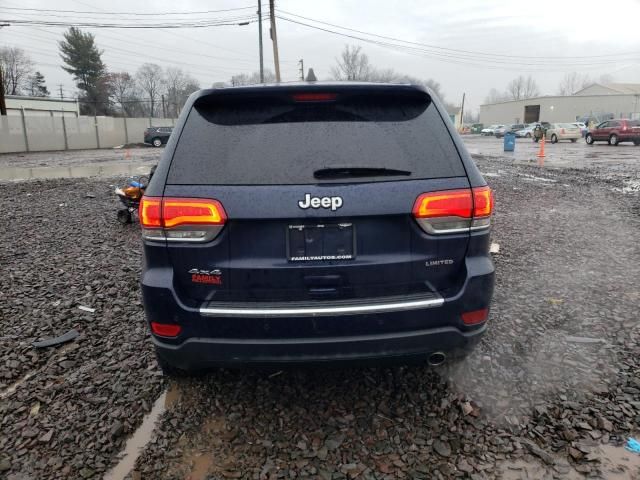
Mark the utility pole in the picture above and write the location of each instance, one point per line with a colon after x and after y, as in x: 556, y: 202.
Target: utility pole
x: 164, y: 109
x: 301, y: 62
x: 274, y: 38
x: 61, y: 94
x: 462, y: 113
x: 3, y: 105
x: 260, y: 40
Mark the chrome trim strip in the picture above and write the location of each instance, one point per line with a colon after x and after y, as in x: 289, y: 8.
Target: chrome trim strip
x: 436, y: 301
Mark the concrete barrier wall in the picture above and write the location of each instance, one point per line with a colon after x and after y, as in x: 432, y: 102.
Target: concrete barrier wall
x: 11, y: 135
x: 71, y: 133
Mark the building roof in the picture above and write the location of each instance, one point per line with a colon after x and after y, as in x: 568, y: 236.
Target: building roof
x: 621, y: 88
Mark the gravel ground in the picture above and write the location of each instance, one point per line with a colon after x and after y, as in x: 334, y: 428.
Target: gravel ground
x: 553, y: 387
x: 61, y: 250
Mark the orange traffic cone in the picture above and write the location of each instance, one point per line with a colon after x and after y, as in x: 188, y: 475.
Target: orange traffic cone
x: 541, y: 150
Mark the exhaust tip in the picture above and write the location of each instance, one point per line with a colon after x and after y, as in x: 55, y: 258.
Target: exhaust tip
x: 436, y: 359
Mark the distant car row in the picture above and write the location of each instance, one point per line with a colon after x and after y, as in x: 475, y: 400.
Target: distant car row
x: 611, y: 131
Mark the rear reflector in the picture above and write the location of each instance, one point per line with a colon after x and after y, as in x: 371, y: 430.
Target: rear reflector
x: 454, y: 211
x: 475, y: 317
x: 314, y: 97
x: 181, y: 219
x: 165, y: 330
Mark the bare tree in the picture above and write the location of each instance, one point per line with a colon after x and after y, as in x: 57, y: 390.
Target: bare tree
x: 530, y: 88
x: 17, y: 68
x: 352, y: 65
x: 253, y: 79
x: 495, y: 96
x: 125, y: 92
x: 572, y: 82
x: 150, y: 80
x: 521, y: 87
x: 179, y: 86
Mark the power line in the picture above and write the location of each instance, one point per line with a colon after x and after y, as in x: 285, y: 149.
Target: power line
x: 129, y: 13
x: 470, y: 52
x: 462, y: 59
x: 241, y: 21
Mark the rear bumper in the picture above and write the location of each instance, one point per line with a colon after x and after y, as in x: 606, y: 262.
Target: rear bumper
x: 314, y: 332
x: 197, y: 353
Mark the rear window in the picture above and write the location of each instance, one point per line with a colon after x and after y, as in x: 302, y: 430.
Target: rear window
x: 273, y: 140
x: 634, y: 123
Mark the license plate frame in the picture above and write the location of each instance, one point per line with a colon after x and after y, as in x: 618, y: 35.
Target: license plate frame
x: 321, y: 242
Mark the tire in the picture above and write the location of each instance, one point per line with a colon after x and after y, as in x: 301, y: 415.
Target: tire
x: 573, y: 140
x: 613, y: 140
x: 636, y: 142
x: 554, y: 138
x: 589, y: 139
x: 124, y: 216
x: 156, y: 142
x: 528, y: 135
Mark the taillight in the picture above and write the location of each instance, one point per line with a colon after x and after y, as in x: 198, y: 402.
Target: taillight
x: 454, y: 211
x: 181, y: 219
x: 165, y: 329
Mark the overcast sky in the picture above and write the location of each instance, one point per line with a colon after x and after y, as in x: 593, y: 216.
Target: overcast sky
x: 585, y: 30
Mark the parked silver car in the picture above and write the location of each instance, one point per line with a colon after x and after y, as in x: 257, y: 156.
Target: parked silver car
x: 563, y: 131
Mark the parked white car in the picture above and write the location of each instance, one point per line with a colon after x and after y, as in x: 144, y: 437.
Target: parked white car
x: 490, y: 130
x: 526, y: 132
x: 563, y: 131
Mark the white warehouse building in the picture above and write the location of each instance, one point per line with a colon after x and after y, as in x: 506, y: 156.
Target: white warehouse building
x: 597, y: 102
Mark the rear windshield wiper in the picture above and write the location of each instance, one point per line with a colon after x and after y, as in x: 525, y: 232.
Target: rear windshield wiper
x: 350, y: 172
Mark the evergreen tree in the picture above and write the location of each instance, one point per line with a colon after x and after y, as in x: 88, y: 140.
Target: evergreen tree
x: 84, y: 62
x: 37, y: 87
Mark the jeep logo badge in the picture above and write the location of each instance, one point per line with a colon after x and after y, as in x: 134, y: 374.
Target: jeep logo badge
x: 333, y: 203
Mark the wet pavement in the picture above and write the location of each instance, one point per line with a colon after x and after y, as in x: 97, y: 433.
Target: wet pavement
x: 553, y: 390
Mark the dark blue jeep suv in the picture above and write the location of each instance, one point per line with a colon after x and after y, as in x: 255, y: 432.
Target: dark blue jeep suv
x: 315, y: 222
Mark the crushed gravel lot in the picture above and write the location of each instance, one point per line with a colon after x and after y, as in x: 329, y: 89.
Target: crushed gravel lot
x: 552, y: 391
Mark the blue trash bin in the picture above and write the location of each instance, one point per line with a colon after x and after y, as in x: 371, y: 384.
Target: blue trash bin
x: 509, y: 142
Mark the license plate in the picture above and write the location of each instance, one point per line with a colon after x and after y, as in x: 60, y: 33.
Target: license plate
x: 322, y: 242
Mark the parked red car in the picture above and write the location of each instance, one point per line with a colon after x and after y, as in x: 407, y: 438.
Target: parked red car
x: 615, y: 131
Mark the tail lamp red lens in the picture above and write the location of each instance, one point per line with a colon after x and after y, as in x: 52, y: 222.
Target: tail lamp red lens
x: 165, y: 329
x: 453, y: 211
x: 314, y: 97
x: 475, y: 317
x: 450, y: 203
x: 181, y: 219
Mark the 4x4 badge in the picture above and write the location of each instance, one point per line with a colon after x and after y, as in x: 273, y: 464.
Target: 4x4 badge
x: 333, y: 203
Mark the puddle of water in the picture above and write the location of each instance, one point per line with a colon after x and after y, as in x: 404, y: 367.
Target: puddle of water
x: 201, y: 464
x: 142, y: 435
x: 614, y: 463
x: 91, y: 170
x: 619, y: 463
